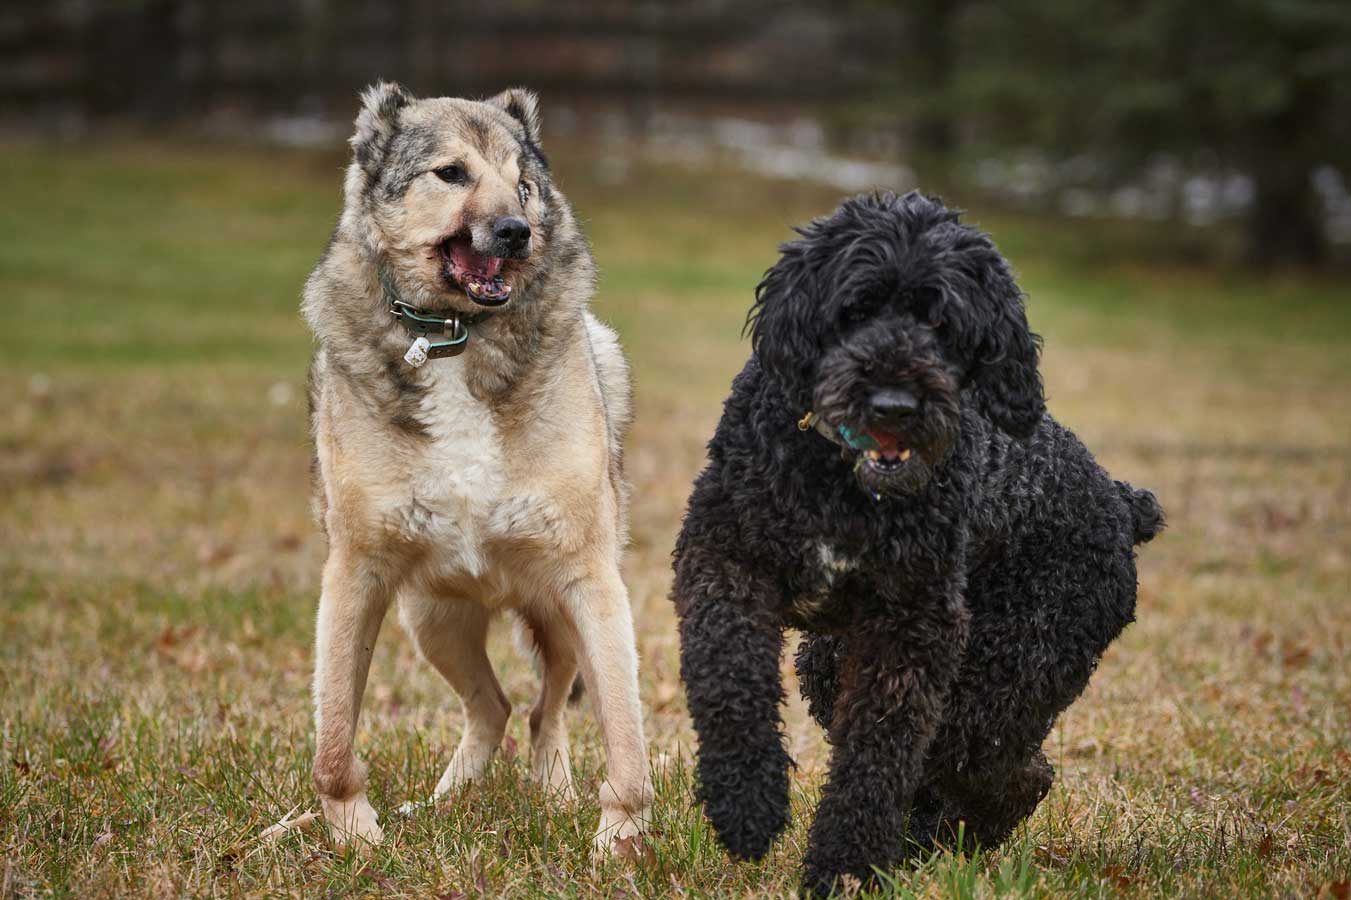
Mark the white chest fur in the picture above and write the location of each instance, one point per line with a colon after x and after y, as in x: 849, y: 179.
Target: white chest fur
x: 833, y: 564
x: 456, y: 479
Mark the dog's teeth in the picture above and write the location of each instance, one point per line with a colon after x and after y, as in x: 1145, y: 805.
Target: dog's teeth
x: 905, y: 454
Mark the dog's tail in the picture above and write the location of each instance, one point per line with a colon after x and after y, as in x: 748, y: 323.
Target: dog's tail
x: 1146, y: 513
x: 523, y: 638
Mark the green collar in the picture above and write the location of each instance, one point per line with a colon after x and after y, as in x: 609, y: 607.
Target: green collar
x: 421, y: 323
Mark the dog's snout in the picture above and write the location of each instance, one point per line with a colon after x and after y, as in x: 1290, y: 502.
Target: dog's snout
x: 513, y: 230
x: 893, y: 403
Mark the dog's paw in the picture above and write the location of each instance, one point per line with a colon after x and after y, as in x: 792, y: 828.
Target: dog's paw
x: 622, y: 824
x: 618, y: 836
x: 352, y: 822
x: 553, y: 772
x: 467, y: 765
x: 744, y: 839
x: 746, y: 804
x: 846, y: 885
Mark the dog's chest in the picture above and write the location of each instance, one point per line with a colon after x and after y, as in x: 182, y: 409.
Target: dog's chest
x: 824, y: 569
x: 457, y: 478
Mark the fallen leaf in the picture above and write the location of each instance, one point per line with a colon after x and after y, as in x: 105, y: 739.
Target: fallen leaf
x: 1340, y: 890
x: 1317, y: 776
x: 229, y: 858
x: 288, y: 542
x: 211, y: 554
x: 171, y: 637
x: 102, y: 840
x: 1048, y: 854
x: 1261, y: 642
x: 634, y: 849
x: 1266, y: 845
x: 1295, y: 657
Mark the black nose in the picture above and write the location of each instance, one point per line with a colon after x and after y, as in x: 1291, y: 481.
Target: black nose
x: 512, y: 229
x: 893, y: 403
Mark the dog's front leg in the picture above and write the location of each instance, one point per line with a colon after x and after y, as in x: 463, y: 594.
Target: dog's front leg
x: 599, y: 611
x: 898, y: 669
x: 351, y: 607
x: 730, y: 645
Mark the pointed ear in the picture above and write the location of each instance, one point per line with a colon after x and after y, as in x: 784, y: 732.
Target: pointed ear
x: 377, y: 123
x: 1007, y: 380
x: 523, y: 106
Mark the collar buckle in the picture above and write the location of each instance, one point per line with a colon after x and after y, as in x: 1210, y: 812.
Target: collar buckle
x: 421, y: 324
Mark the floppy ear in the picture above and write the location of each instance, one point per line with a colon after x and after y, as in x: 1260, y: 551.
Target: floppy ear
x: 1006, y: 379
x: 523, y: 106
x: 783, y: 323
x: 377, y: 123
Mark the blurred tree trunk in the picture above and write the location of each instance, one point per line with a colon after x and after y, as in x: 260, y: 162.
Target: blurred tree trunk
x: 928, y: 69
x: 932, y: 63
x: 1285, y: 225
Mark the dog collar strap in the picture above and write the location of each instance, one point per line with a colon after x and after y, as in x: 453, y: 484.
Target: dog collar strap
x: 843, y: 436
x: 840, y: 434
x: 421, y: 323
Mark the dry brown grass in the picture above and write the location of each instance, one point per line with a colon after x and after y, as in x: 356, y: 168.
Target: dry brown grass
x: 158, y: 563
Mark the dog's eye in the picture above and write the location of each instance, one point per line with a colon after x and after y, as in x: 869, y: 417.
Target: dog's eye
x: 452, y: 174
x: 854, y: 313
x: 925, y: 302
x: 523, y: 189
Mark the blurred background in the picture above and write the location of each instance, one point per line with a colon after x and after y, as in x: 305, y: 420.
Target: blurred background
x: 1169, y: 179
x: 1233, y: 119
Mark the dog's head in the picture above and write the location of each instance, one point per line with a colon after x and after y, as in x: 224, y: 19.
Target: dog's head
x: 881, y: 316
x: 452, y: 196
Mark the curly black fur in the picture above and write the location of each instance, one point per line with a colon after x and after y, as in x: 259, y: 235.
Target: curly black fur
x: 954, y: 600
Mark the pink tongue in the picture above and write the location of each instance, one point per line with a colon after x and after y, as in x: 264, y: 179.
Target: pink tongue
x: 886, y: 443
x: 465, y: 260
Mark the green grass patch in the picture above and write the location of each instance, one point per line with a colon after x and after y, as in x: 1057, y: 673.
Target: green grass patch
x: 159, y: 563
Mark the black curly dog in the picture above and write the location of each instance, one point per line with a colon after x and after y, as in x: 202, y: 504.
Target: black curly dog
x: 885, y: 478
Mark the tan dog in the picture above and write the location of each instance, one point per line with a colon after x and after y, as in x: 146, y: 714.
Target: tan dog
x: 468, y: 484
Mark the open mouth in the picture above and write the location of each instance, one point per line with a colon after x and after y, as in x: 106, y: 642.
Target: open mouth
x: 478, y: 276
x: 888, y: 456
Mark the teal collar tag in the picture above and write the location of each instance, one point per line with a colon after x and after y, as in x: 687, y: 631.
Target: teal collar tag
x: 844, y: 437
x: 842, y: 434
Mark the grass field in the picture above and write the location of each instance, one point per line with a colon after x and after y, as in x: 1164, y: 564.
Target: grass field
x: 159, y: 567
